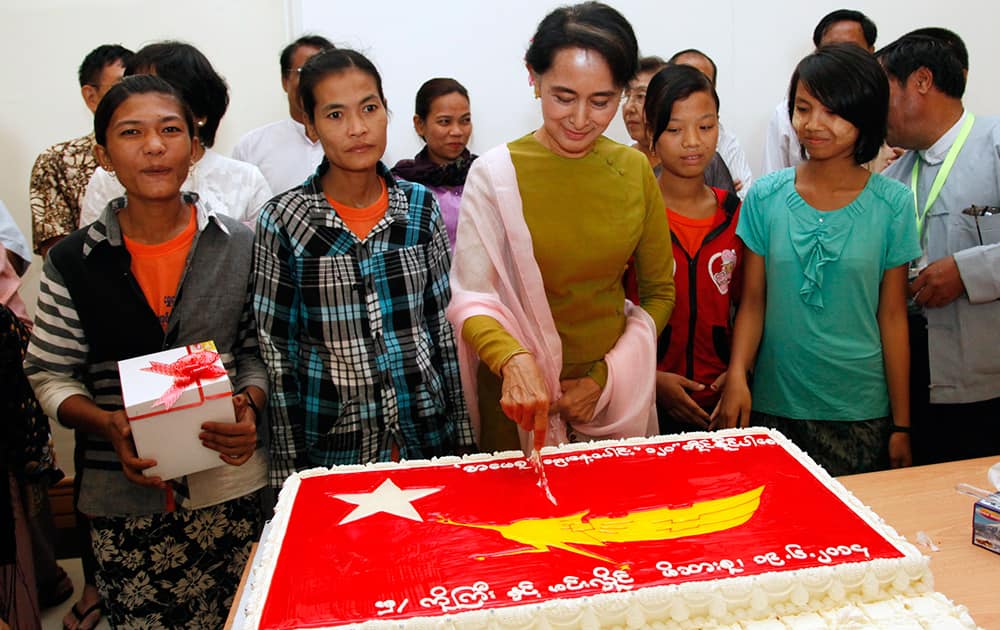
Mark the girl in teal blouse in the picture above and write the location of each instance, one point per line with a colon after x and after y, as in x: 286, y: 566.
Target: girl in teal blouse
x: 822, y: 322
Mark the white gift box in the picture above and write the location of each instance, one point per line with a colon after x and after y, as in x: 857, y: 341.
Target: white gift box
x: 169, y: 432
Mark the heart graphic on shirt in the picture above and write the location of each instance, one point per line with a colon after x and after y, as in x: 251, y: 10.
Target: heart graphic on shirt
x: 721, y: 267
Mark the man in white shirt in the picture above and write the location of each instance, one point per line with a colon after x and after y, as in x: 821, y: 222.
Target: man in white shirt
x: 728, y: 146
x: 953, y: 166
x: 282, y: 150
x: 781, y: 145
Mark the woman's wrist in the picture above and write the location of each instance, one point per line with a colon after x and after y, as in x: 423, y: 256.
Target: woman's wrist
x: 513, y: 359
x: 737, y: 374
x: 254, y: 403
x: 109, y: 426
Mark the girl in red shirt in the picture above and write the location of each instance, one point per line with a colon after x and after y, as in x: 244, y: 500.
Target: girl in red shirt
x: 682, y: 112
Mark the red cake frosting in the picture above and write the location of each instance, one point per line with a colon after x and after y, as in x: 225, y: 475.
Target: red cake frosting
x: 429, y: 539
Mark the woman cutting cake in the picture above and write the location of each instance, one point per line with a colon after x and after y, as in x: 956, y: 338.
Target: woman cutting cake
x: 547, y: 225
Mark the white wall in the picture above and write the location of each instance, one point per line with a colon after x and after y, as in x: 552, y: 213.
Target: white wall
x: 756, y: 45
x: 42, y: 43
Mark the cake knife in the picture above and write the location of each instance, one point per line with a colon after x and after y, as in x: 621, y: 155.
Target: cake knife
x: 538, y: 441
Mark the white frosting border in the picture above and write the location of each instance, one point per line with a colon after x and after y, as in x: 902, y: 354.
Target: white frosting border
x: 690, y: 605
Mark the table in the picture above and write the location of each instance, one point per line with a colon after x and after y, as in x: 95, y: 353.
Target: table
x: 239, y: 592
x: 923, y: 498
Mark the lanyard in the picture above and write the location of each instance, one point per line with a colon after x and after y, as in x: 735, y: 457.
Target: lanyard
x: 942, y: 175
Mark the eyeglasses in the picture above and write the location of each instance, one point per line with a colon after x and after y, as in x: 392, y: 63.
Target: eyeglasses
x: 634, y: 96
x: 981, y: 211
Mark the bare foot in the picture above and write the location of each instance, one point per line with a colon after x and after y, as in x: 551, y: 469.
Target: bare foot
x: 86, y: 612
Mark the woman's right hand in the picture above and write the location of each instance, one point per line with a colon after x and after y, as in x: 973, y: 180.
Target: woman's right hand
x: 733, y: 408
x: 672, y: 395
x: 119, y: 433
x: 524, y: 396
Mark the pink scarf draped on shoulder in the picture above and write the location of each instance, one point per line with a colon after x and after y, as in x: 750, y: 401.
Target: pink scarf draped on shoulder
x: 494, y: 273
x: 9, y: 283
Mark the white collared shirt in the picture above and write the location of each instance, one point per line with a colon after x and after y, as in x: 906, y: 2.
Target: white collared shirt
x: 933, y: 156
x: 936, y: 153
x: 736, y: 160
x: 781, y: 145
x: 282, y: 151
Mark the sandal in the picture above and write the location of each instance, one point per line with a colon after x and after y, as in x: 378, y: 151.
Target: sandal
x: 81, y: 616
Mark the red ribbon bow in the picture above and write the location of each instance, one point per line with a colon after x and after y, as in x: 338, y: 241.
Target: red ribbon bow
x: 186, y: 370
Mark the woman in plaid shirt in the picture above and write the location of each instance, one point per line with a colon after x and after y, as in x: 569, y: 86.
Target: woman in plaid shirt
x: 351, y: 283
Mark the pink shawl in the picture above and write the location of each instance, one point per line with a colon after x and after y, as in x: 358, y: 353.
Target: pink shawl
x: 494, y: 273
x: 9, y: 283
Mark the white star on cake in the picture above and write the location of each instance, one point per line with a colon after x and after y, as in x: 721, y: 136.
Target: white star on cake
x: 388, y: 498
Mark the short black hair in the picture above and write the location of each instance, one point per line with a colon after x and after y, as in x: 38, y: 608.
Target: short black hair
x: 909, y: 53
x: 669, y: 85
x: 187, y: 69
x: 313, y: 41
x: 846, y: 15
x: 121, y: 91
x: 590, y: 26
x: 435, y: 88
x: 98, y: 59
x: 948, y: 37
x: 329, y: 62
x: 695, y: 51
x: 651, y: 63
x: 850, y: 83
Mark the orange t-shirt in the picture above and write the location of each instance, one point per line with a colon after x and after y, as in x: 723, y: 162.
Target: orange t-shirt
x: 362, y: 220
x: 158, y: 268
x: 690, y: 233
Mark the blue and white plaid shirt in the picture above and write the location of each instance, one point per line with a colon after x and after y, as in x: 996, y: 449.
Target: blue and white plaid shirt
x: 353, y: 332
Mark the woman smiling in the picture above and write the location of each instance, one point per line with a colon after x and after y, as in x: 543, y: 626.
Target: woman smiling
x: 444, y: 122
x: 548, y: 223
x: 167, y: 554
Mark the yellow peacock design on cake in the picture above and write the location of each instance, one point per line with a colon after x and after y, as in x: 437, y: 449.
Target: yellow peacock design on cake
x: 565, y: 532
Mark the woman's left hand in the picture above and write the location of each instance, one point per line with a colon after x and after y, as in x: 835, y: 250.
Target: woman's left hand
x: 899, y: 450
x: 235, y: 441
x: 579, y: 398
